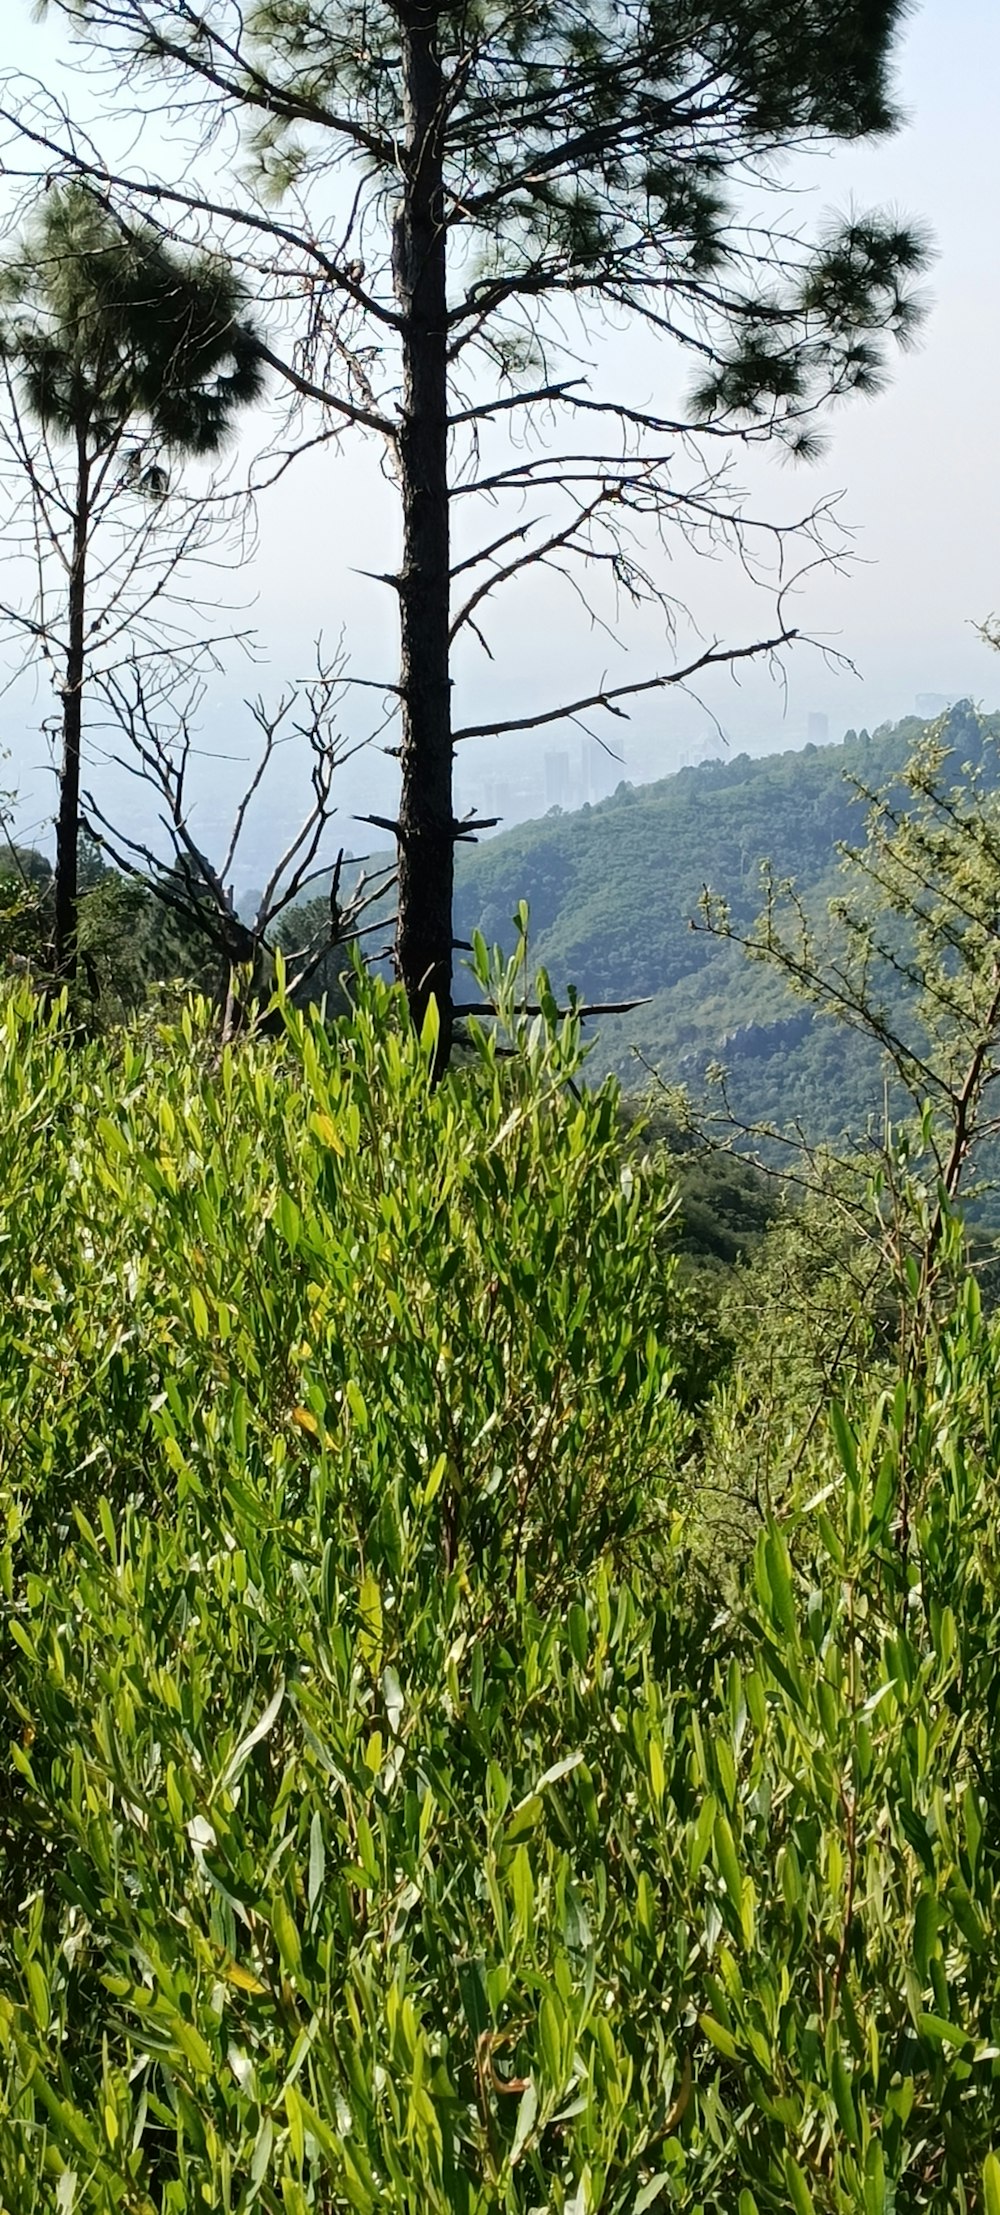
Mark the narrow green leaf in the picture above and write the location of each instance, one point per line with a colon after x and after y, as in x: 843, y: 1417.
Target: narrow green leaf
x: 370, y: 1612
x: 550, y: 2039
x: 430, y: 1029
x: 286, y: 1935
x: 844, y: 2100
x: 798, y: 2190
x: 941, y: 2032
x: 847, y: 1445
x: 526, y: 2113
x: 193, y: 2047
x: 728, y: 1865
x: 317, y: 1861
x: 38, y: 1994
x: 241, y: 1754
x: 721, y: 2039
x: 650, y: 2192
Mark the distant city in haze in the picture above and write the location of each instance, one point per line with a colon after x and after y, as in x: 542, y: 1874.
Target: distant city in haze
x: 577, y: 773
x: 518, y: 781
x: 510, y: 781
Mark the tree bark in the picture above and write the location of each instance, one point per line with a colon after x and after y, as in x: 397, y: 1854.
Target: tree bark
x: 426, y: 817
x: 68, y: 818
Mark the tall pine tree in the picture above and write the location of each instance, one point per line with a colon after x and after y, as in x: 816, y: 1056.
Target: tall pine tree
x: 439, y: 183
x: 127, y: 356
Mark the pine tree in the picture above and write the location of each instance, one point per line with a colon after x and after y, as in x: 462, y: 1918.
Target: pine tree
x: 505, y: 165
x: 128, y: 356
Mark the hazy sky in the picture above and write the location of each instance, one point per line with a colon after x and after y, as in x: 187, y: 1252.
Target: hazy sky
x: 919, y: 468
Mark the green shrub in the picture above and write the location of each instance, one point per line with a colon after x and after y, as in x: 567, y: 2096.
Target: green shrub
x: 309, y: 1245
x: 391, y: 1819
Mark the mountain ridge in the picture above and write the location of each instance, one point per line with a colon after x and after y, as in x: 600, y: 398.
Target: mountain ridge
x: 613, y: 893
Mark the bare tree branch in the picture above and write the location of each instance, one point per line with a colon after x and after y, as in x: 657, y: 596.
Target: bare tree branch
x: 713, y: 657
x: 184, y: 877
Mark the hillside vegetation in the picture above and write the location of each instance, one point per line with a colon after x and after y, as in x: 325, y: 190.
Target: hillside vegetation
x: 407, y: 1808
x: 613, y: 892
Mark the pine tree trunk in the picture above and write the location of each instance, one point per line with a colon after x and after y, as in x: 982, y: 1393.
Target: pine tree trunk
x: 426, y: 816
x: 68, y: 818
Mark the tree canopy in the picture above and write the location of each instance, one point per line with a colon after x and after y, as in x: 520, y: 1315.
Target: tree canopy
x: 107, y: 328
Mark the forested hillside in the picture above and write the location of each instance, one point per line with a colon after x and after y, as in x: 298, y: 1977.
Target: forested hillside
x: 613, y: 892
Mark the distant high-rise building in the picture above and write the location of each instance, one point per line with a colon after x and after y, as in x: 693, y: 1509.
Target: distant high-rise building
x: 819, y: 729
x: 556, y: 780
x: 931, y: 704
x: 706, y: 747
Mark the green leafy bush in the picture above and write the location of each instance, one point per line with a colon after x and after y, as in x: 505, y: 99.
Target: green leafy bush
x: 392, y: 1820
x: 310, y: 1245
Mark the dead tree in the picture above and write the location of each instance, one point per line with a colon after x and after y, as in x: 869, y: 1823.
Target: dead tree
x: 179, y: 871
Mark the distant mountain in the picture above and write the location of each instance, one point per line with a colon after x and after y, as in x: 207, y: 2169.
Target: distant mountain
x: 614, y: 888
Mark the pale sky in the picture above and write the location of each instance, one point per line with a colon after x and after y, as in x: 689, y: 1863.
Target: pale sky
x: 919, y: 469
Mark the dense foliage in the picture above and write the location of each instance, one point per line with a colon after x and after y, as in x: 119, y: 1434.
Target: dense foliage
x: 401, y: 1809
x: 129, y: 940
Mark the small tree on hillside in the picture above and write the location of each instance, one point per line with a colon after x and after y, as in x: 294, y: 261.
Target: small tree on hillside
x: 119, y: 356
x: 908, y: 957
x: 445, y: 188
